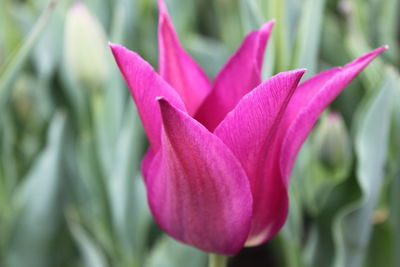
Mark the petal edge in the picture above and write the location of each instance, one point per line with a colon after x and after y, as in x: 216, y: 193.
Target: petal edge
x: 197, y: 190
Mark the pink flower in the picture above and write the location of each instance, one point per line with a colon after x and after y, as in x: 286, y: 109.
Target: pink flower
x: 221, y: 153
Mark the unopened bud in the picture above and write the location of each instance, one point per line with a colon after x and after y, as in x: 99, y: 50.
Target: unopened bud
x: 332, y: 144
x: 86, y: 49
x: 345, y: 7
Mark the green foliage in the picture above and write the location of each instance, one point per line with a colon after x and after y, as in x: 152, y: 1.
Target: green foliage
x: 71, y: 140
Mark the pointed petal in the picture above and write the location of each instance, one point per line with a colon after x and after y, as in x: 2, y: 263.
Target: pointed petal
x: 177, y: 67
x: 198, y: 192
x: 145, y: 85
x: 307, y: 103
x: 249, y: 131
x: 241, y: 74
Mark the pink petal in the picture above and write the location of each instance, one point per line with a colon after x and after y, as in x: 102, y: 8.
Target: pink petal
x: 177, y: 67
x: 145, y: 85
x: 146, y: 162
x: 249, y: 131
x: 197, y: 190
x: 309, y: 100
x: 241, y: 74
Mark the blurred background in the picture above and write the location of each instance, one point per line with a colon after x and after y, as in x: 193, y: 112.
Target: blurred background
x: 71, y: 143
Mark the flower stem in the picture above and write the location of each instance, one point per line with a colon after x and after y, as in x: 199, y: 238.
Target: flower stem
x: 216, y: 260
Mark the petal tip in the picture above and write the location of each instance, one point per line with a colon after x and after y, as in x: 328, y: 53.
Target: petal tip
x: 270, y: 23
x: 298, y: 72
x: 112, y: 45
x: 267, y: 27
x: 164, y: 105
x: 115, y: 47
x: 301, y: 70
x: 160, y: 99
x: 380, y: 49
x: 162, y: 8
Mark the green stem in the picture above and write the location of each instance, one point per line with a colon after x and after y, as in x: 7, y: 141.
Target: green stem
x: 216, y: 260
x: 282, y: 51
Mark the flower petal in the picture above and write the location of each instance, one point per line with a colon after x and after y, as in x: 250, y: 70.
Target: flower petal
x: 145, y: 85
x: 197, y: 190
x: 177, y: 67
x: 146, y: 163
x: 241, y: 74
x: 309, y: 100
x: 249, y: 131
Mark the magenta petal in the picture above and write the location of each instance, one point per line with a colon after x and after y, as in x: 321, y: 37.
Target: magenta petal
x: 241, y: 74
x: 177, y: 67
x: 145, y: 85
x: 249, y: 131
x: 197, y: 190
x: 146, y: 162
x: 309, y: 100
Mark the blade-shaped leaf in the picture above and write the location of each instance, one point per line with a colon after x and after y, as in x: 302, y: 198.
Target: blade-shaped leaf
x: 395, y: 193
x: 353, y: 224
x: 308, y: 36
x: 252, y: 18
x: 129, y: 208
x: 39, y: 205
x: 91, y: 254
x: 169, y: 253
x: 10, y: 71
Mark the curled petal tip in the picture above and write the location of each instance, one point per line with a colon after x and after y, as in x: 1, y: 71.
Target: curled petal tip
x: 160, y: 99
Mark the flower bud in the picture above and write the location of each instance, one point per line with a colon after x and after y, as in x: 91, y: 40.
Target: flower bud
x: 332, y: 144
x: 86, y: 49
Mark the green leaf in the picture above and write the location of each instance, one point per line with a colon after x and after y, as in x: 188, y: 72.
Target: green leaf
x: 281, y: 34
x: 381, y: 250
x: 252, y: 18
x: 395, y: 216
x: 210, y: 53
x: 329, y: 161
x: 308, y: 36
x: 48, y: 49
x: 130, y: 213
x: 170, y: 253
x: 387, y: 26
x: 358, y: 43
x: 38, y: 205
x: 395, y: 186
x: 92, y: 255
x: 9, y: 73
x: 352, y: 226
x: 183, y: 16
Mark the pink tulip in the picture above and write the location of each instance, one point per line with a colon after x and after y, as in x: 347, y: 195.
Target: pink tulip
x: 221, y: 153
